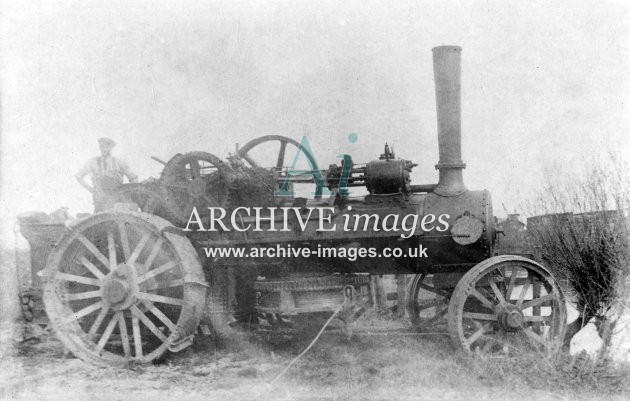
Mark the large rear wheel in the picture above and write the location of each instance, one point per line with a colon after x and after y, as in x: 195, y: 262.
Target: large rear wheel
x: 122, y: 288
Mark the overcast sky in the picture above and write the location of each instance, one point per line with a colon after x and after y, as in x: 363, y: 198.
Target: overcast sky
x: 542, y: 83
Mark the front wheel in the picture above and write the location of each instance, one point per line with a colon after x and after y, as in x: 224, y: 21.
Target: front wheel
x: 507, y: 305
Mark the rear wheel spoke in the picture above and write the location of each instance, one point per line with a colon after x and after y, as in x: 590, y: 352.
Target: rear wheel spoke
x: 158, y: 313
x: 157, y: 271
x: 85, y: 311
x: 139, y: 246
x: 106, y: 334
x: 93, y: 249
x: 77, y: 279
x: 111, y: 248
x: 430, y: 304
x: 83, y: 295
x: 160, y: 298
x: 152, y: 255
x: 438, y: 315
x: 124, y: 239
x: 148, y: 323
x: 124, y: 337
x: 165, y: 284
x: 97, y: 323
x: 93, y: 269
x: 137, y: 338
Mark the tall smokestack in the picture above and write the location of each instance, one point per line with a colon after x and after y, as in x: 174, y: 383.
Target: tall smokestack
x: 447, y: 70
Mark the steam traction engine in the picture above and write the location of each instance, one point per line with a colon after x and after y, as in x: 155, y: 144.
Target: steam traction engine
x: 126, y: 285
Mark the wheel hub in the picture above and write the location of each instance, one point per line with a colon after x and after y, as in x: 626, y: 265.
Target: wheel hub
x: 511, y: 318
x: 115, y: 291
x: 120, y: 288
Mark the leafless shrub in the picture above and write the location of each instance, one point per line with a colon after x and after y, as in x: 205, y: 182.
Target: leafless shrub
x: 580, y: 231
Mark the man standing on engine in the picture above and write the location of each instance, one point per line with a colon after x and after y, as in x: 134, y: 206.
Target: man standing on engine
x: 107, y: 174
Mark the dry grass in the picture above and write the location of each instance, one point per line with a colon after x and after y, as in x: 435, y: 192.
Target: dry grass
x: 372, y: 365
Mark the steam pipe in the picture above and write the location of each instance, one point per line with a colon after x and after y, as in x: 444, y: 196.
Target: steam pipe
x: 447, y: 72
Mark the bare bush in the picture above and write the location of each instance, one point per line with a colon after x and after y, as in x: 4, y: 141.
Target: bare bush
x: 580, y: 231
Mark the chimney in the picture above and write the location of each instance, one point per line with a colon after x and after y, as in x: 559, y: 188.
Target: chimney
x: 447, y: 70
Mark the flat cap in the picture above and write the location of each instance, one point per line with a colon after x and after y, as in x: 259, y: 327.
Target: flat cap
x: 106, y: 141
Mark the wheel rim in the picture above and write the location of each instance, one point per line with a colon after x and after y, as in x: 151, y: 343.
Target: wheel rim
x: 507, y: 305
x: 245, y: 151
x: 280, y: 156
x: 427, y: 305
x: 119, y: 291
x: 194, y: 179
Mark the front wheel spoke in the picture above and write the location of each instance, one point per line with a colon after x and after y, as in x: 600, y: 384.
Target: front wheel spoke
x: 139, y: 246
x: 124, y: 337
x: 78, y: 279
x: 93, y: 269
x: 510, y: 289
x: 523, y: 293
x: 497, y: 292
x: 82, y: 295
x: 479, y: 316
x: 158, y: 313
x: 482, y: 299
x: 537, y: 301
x: 537, y: 318
x: 98, y: 321
x: 106, y: 334
x: 159, y: 270
x: 474, y: 337
x: 93, y: 249
x: 160, y: 298
x: 137, y: 338
x: 147, y: 322
x: 85, y: 311
x: 535, y: 337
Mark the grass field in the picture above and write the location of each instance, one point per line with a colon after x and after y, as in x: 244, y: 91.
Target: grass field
x: 372, y: 365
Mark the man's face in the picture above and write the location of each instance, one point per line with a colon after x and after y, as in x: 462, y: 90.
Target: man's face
x: 105, y: 148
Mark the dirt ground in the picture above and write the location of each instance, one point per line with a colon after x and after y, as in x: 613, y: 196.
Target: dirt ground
x: 376, y: 365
